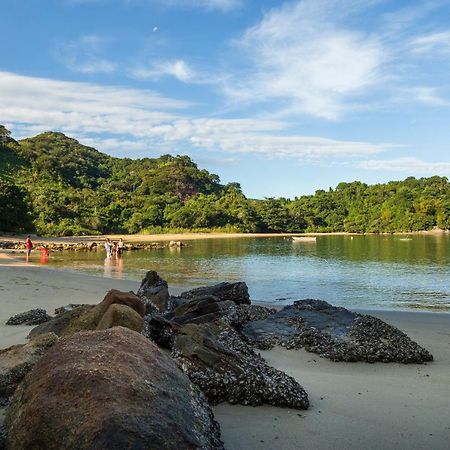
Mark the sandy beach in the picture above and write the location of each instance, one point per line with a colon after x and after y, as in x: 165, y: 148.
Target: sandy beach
x: 353, y: 405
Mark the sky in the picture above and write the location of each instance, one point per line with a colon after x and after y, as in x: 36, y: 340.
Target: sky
x: 282, y: 97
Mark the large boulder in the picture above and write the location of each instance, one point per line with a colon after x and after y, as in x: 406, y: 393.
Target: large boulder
x: 226, y: 369
x: 235, y: 292
x: 335, y: 333
x: 18, y: 360
x: 154, y: 291
x: 110, y: 389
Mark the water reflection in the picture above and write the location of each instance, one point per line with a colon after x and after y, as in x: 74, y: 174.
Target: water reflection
x: 366, y: 271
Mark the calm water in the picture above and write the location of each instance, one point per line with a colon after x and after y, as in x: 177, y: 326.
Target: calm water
x: 383, y: 272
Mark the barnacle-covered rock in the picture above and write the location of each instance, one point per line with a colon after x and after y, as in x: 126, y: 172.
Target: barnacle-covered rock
x: 238, y: 315
x: 226, y: 369
x: 335, y: 333
x: 32, y: 317
x: 235, y: 292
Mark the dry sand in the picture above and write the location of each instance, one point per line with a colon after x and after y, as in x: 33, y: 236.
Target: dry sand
x: 353, y: 405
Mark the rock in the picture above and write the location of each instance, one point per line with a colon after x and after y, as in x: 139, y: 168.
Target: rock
x: 160, y: 330
x: 226, y: 369
x: 88, y: 317
x: 176, y: 244
x: 239, y: 315
x: 121, y: 315
x: 110, y: 389
x: 32, y: 317
x: 155, y: 291
x: 2, y: 437
x: 59, y: 323
x: 71, y: 306
x: 201, y: 309
x: 18, y: 360
x: 91, y: 319
x: 334, y: 333
x: 122, y: 298
x: 235, y: 292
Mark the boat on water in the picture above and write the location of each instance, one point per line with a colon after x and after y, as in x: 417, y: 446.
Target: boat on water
x: 304, y: 238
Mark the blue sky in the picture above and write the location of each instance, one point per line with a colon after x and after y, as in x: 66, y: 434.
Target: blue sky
x: 282, y: 97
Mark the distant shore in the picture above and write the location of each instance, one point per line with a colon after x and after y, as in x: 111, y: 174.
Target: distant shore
x: 164, y: 237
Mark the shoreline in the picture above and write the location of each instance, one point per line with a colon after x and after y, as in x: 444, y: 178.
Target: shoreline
x: 190, y: 236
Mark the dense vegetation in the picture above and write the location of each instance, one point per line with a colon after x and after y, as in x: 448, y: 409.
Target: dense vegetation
x: 53, y: 185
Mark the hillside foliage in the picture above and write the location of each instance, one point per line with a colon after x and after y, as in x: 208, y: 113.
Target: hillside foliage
x: 53, y: 185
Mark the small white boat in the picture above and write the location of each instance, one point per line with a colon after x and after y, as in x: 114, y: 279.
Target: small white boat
x: 304, y: 238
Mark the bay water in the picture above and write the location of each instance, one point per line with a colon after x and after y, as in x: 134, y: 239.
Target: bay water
x: 369, y: 272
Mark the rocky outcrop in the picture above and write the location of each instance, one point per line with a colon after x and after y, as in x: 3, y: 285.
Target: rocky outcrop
x: 18, y: 360
x: 59, y: 323
x: 234, y: 292
x: 201, y: 309
x: 154, y: 291
x: 226, y: 369
x: 116, y: 309
x: 160, y: 330
x: 109, y: 389
x: 334, y: 333
x: 32, y: 317
x: 121, y: 315
x: 239, y: 315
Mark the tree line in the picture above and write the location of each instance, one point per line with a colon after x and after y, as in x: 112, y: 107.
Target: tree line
x: 53, y: 185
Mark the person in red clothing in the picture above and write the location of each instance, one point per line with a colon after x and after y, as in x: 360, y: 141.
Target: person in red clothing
x: 28, y: 246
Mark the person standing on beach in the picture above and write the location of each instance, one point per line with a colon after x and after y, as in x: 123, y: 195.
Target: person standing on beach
x: 28, y: 245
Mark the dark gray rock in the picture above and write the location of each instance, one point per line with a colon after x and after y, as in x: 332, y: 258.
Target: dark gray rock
x: 239, y: 315
x: 226, y: 369
x: 334, y: 333
x: 154, y: 291
x: 32, y: 317
x: 235, y: 292
x: 201, y: 309
x: 2, y: 437
x: 160, y: 330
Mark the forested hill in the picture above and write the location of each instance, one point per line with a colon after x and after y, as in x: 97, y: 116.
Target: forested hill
x: 53, y: 185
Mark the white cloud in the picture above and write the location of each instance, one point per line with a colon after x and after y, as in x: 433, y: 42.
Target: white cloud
x: 300, y: 56
x: 129, y: 120
x: 409, y: 165
x: 84, y: 55
x: 428, y: 95
x: 208, y: 5
x: 434, y: 42
x: 222, y: 5
x: 177, y: 69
